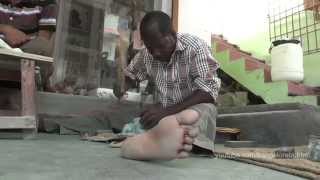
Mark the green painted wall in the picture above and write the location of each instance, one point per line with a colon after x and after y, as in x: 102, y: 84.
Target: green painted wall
x: 258, y: 44
x: 312, y: 69
x: 271, y: 92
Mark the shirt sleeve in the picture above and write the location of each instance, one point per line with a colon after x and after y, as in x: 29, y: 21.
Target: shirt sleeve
x: 204, y: 72
x: 137, y: 70
x: 48, y: 17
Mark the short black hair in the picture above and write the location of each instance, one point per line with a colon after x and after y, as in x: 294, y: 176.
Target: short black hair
x: 155, y: 22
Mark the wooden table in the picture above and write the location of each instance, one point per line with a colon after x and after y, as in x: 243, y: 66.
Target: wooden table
x: 28, y: 119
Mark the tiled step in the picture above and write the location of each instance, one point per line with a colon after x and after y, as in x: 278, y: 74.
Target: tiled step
x: 252, y: 64
x: 296, y: 89
x: 267, y: 74
x: 237, y: 54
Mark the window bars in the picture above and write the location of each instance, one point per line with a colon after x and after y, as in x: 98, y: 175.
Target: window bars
x: 300, y: 21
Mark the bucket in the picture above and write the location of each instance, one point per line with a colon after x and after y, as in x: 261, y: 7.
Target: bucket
x: 287, y: 61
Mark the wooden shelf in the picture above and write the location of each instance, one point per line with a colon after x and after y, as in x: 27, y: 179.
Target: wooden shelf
x: 18, y: 122
x: 81, y: 49
x: 22, y: 55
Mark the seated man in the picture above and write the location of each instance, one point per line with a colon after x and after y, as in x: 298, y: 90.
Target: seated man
x: 29, y: 25
x: 184, y: 73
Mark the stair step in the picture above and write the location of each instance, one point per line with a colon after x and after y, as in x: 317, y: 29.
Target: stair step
x: 253, y: 65
x: 236, y: 54
x: 265, y: 107
x: 267, y: 74
x: 223, y: 47
x: 255, y: 75
x: 246, y: 114
x: 296, y: 89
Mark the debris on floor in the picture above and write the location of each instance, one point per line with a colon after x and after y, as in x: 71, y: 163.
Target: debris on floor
x: 285, y: 153
x: 115, y: 140
x: 298, y: 165
x: 105, y: 137
x: 224, y: 134
x: 314, y: 148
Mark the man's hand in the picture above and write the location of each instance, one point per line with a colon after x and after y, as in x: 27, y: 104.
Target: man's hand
x: 13, y: 36
x: 117, y: 91
x: 152, y: 115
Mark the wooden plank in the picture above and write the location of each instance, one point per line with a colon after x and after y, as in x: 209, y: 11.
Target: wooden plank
x: 20, y: 55
x: 28, y: 90
x: 175, y: 15
x: 17, y: 122
x: 28, y: 87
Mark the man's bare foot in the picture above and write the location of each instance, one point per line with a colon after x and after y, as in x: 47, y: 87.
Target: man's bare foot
x: 172, y: 138
x: 163, y: 142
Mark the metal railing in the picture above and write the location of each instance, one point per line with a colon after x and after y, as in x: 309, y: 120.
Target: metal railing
x: 298, y: 22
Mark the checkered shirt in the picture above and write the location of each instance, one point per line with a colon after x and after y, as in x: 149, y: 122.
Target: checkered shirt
x: 191, y: 68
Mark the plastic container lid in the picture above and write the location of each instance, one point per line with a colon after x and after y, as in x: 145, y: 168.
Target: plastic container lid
x: 279, y: 42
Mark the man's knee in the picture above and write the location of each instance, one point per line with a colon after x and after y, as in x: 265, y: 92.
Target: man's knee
x: 188, y: 116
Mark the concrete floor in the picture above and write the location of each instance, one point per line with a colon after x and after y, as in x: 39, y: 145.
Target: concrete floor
x: 53, y: 157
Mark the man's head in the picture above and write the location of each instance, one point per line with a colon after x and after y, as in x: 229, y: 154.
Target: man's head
x: 158, y: 35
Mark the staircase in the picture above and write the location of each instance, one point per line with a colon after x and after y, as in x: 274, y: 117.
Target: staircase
x: 255, y: 75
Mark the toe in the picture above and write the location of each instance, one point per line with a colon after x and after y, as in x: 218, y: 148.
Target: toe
x: 187, y: 147
x: 193, y: 133
x: 188, y: 117
x: 183, y: 155
x: 188, y: 140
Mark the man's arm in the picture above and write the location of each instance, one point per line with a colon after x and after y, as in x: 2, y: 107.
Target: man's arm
x: 136, y: 71
x: 13, y: 36
x: 3, y: 28
x: 155, y: 113
x: 118, y: 91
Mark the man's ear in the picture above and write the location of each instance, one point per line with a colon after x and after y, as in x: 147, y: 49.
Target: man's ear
x: 170, y: 37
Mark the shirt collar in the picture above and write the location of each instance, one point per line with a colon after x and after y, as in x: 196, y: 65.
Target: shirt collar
x: 179, y: 45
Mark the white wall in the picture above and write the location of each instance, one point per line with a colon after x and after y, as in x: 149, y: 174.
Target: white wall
x: 229, y: 17
x: 236, y: 20
x: 193, y: 18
